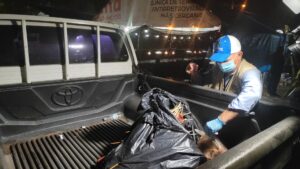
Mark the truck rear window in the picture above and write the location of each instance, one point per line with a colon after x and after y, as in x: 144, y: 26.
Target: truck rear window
x: 82, y: 49
x: 11, y: 46
x: 45, y: 45
x: 112, y: 47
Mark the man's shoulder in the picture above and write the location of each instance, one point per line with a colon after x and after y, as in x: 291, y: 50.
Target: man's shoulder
x: 246, y: 67
x: 247, y: 64
x: 251, y: 74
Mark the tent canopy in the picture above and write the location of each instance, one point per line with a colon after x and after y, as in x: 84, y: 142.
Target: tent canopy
x: 172, y: 15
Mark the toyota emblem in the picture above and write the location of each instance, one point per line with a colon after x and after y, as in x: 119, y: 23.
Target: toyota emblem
x: 67, y: 96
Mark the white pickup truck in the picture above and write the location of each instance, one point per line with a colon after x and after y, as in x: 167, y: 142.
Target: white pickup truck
x: 69, y: 89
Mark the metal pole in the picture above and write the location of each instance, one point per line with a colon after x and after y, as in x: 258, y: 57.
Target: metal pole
x: 66, y: 44
x: 98, y: 51
x: 26, y: 53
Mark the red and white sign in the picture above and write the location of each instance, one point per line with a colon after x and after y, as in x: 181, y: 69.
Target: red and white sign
x: 111, y: 12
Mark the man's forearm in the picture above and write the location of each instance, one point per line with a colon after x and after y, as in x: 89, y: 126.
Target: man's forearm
x: 228, y: 115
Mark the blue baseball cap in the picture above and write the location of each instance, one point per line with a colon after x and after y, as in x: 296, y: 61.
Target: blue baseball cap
x: 226, y: 45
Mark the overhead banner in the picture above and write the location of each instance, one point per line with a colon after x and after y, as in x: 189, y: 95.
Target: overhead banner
x: 111, y: 13
x: 158, y: 13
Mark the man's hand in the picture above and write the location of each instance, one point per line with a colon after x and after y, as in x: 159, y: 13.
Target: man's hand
x: 214, y: 125
x: 191, y: 68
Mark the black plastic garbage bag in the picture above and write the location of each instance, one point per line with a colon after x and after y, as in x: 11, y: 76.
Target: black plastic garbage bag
x: 157, y: 139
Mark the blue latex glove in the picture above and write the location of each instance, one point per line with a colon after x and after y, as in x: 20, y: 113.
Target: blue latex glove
x: 214, y: 125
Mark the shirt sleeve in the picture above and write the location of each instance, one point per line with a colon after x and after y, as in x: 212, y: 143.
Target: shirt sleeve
x: 251, y: 91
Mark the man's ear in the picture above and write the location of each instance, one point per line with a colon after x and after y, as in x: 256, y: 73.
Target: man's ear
x: 240, y: 53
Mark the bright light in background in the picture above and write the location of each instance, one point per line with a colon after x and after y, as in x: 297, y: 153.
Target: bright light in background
x: 243, y: 6
x: 79, y: 38
x: 189, y: 37
x: 166, y: 52
x: 181, y: 37
x: 136, y: 34
x: 74, y: 46
x: 149, y: 53
x: 173, y: 52
x: 158, y: 52
x: 147, y: 36
x: 146, y: 30
x: 189, y: 51
x: 195, y: 28
x: 170, y: 27
x: 126, y: 29
x: 174, y: 37
x: 166, y: 36
x: 294, y: 5
x: 156, y: 36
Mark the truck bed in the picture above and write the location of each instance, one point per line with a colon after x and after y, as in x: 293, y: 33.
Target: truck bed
x: 75, y: 149
x: 56, y: 137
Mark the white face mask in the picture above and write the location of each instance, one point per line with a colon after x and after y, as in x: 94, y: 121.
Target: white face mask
x: 227, y: 67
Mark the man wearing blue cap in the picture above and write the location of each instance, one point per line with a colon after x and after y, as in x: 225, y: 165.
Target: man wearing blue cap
x: 234, y: 74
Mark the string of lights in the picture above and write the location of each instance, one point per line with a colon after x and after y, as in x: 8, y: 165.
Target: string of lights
x: 152, y: 44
